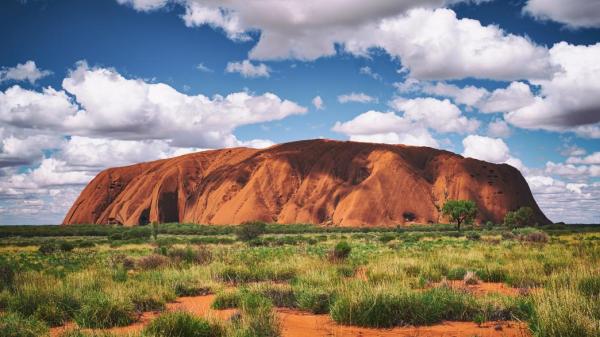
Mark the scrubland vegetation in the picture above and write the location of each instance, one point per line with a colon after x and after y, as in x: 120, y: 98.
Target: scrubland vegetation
x: 95, y: 277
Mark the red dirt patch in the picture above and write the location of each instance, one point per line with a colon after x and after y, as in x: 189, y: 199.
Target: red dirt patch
x: 197, y: 305
x: 300, y: 324
x: 482, y: 288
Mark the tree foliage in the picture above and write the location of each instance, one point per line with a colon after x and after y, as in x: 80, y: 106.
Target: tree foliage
x: 520, y: 218
x: 250, y: 230
x: 460, y: 211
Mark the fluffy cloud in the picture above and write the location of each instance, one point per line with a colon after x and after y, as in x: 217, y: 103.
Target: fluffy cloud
x: 144, y: 5
x: 569, y: 170
x: 35, y: 110
x: 27, y: 71
x: 25, y: 150
x: 412, y: 128
x: 563, y: 201
x: 359, y: 97
x: 248, y: 69
x: 385, y: 127
x: 573, y: 13
x: 132, y: 109
x: 318, y: 103
x: 489, y: 149
x: 431, y: 43
x: 468, y: 95
x: 484, y: 148
x: 515, y: 96
x: 498, y: 128
x: 569, y: 100
x: 369, y: 72
x: 435, y: 44
x: 440, y: 115
x: 593, y: 158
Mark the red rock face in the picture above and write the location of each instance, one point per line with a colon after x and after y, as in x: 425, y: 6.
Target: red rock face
x: 313, y: 181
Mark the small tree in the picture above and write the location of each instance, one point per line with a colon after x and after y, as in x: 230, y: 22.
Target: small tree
x: 520, y: 218
x: 460, y: 211
x: 250, y: 230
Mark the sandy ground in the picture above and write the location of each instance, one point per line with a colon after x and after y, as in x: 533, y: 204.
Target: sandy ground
x: 483, y: 288
x: 300, y: 324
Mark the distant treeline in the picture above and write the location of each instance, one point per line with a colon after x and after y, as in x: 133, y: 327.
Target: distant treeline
x: 120, y: 232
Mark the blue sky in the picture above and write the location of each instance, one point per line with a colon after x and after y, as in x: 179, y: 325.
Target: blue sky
x: 86, y: 85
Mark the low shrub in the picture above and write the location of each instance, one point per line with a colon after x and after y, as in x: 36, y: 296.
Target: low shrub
x: 226, y: 300
x: 340, y: 252
x: 250, y: 230
x: 282, y: 295
x: 181, y: 324
x: 473, y: 236
x: 589, y: 285
x: 537, y: 237
x: 386, y: 238
x: 196, y: 255
x: 99, y: 310
x: 492, y: 274
x: 456, y: 273
x: 48, y: 248
x: 15, y: 325
x: 7, y: 276
x: 66, y: 246
x: 313, y: 299
x: 153, y: 261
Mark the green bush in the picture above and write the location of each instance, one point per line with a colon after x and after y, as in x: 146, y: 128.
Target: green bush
x: 250, y: 230
x: 15, y: 325
x: 520, y: 218
x: 7, y: 276
x: 473, y: 236
x: 590, y: 286
x: 313, y: 299
x: 48, y: 248
x: 196, y: 255
x: 456, y: 273
x: 341, y: 251
x: 99, y: 310
x: 153, y: 261
x: 181, y: 324
x: 66, y: 246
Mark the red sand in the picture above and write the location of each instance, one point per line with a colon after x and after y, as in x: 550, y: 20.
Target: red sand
x: 300, y: 324
x: 483, y: 288
x: 314, y: 181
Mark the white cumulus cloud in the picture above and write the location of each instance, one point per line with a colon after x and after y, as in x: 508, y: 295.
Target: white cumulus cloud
x: 27, y: 71
x: 248, y: 69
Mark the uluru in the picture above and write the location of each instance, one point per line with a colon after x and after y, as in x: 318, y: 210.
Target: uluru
x: 313, y: 181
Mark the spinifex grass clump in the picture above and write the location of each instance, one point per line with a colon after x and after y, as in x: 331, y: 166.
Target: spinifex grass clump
x: 257, y: 318
x: 15, y: 325
x: 388, y: 306
x: 340, y: 252
x: 42, y: 297
x: 182, y: 324
x: 101, y: 310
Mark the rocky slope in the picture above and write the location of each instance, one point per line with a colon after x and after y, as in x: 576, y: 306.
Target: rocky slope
x: 313, y: 181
